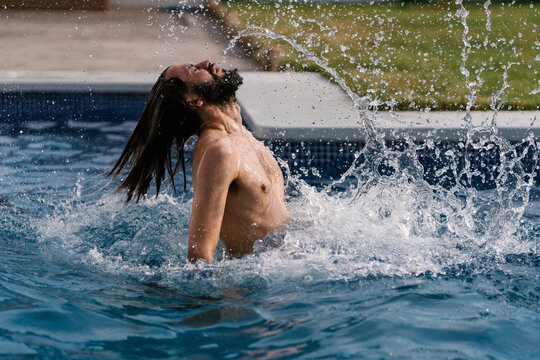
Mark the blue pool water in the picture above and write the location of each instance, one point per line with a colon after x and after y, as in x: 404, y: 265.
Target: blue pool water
x: 380, y: 265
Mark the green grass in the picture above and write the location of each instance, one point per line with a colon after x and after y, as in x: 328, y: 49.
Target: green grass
x: 410, y: 55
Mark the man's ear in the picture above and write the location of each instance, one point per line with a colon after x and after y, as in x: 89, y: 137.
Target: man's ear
x: 194, y: 101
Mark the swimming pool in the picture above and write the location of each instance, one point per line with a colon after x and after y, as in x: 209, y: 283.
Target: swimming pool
x: 385, y: 263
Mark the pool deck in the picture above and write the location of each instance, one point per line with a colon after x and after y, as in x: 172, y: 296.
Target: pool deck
x: 127, y: 40
x: 305, y: 106
x: 124, y: 50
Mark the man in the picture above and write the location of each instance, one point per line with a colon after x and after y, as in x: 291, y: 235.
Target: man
x: 238, y: 190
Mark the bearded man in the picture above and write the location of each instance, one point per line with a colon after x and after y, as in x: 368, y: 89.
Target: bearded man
x: 238, y: 190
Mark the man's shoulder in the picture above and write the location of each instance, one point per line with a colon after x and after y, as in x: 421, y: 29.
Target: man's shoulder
x: 216, y: 156
x: 217, y: 149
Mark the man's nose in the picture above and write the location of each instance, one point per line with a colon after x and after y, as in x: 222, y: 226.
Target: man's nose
x: 204, y: 64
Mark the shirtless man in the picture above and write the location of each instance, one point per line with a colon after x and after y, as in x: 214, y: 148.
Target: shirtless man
x: 237, y: 184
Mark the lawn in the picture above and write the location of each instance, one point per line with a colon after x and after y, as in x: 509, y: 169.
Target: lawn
x: 408, y: 56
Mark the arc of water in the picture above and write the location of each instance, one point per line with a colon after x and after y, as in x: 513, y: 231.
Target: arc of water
x: 463, y: 13
x: 537, y: 90
x: 496, y: 98
x: 361, y: 103
x: 466, y: 50
x: 488, y: 22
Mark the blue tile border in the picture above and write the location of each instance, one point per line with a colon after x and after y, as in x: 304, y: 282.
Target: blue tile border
x: 17, y: 107
x: 334, y: 158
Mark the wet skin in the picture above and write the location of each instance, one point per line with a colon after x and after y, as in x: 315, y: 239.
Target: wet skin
x: 238, y: 185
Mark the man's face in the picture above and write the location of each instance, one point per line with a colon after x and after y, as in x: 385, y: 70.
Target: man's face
x: 195, y: 74
x: 206, y: 80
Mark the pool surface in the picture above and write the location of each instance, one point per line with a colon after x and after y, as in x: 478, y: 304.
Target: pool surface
x: 381, y: 264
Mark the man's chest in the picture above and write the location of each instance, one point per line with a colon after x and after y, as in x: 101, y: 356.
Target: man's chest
x: 259, y: 162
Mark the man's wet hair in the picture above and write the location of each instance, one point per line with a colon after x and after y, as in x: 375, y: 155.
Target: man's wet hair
x: 166, y: 122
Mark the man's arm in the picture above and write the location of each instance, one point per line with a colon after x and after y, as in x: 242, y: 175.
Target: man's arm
x: 215, y: 172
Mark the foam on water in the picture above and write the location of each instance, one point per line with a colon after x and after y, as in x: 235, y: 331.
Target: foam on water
x: 390, y: 220
x: 392, y: 224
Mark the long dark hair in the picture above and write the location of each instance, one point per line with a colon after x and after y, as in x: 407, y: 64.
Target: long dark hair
x: 166, y: 122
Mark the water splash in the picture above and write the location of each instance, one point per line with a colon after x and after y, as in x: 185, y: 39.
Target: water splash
x: 497, y: 97
x: 361, y: 103
x: 250, y: 30
x: 465, y: 52
x: 488, y: 22
x: 481, y: 223
x: 390, y: 221
x: 391, y: 224
x: 537, y: 90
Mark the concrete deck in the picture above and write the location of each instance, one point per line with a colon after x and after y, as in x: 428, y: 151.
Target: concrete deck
x: 75, y: 81
x: 126, y: 40
x: 305, y: 106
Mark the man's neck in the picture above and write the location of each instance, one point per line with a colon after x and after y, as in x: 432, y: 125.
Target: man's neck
x: 220, y: 117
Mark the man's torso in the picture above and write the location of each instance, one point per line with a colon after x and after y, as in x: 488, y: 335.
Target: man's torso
x: 255, y: 201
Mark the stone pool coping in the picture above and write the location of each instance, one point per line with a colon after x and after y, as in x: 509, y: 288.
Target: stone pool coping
x: 291, y: 107
x: 74, y: 81
x: 305, y: 106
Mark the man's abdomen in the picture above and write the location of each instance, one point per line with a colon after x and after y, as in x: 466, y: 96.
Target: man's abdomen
x: 246, y: 222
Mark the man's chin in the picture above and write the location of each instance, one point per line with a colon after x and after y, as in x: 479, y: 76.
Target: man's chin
x: 223, y: 89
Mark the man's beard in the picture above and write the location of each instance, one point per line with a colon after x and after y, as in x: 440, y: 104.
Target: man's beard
x: 222, y: 89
